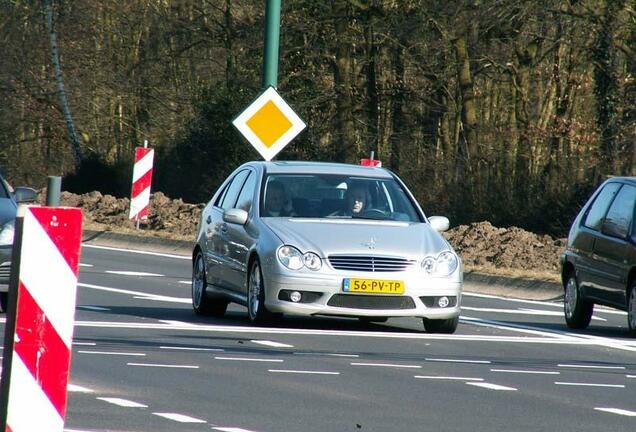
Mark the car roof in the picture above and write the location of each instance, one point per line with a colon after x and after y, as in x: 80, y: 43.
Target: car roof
x: 627, y: 180
x: 300, y: 167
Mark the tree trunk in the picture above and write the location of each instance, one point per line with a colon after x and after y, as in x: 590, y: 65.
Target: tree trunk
x: 76, y: 145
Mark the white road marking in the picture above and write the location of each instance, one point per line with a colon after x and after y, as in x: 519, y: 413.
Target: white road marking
x: 179, y: 418
x: 521, y: 311
x: 137, y: 251
x: 94, y: 308
x: 271, y: 343
x: 231, y: 429
x: 123, y: 402
x: 630, y: 376
x: 85, y: 343
x: 525, y: 371
x: 132, y: 273
x: 445, y: 360
x: 85, y: 265
x: 388, y: 365
x: 176, y: 348
x: 589, y: 384
x: 113, y: 353
x: 185, y: 282
x: 326, y: 354
x: 447, y: 378
x: 617, y: 411
x: 142, y: 295
x: 73, y: 388
x: 289, y: 371
x: 249, y: 359
x: 163, y: 366
x: 491, y: 386
x: 590, y: 366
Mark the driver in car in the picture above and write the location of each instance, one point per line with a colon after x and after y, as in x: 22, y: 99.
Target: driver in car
x: 357, y: 200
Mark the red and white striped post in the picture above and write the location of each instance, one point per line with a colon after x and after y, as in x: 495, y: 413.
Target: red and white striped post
x: 142, y: 179
x: 40, y: 319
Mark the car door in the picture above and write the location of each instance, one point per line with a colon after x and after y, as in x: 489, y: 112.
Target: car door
x: 241, y: 238
x: 218, y: 262
x: 587, y: 272
x: 611, y: 249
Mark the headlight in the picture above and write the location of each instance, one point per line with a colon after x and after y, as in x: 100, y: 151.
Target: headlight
x: 6, y: 233
x: 445, y: 264
x: 312, y: 261
x: 291, y: 257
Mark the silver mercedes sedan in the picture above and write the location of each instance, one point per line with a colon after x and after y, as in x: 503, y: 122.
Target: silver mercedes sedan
x: 309, y: 238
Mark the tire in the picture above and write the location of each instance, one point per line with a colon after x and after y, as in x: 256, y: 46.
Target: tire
x: 256, y: 310
x: 631, y: 310
x: 447, y: 326
x: 201, y: 303
x: 577, y: 311
x: 4, y: 301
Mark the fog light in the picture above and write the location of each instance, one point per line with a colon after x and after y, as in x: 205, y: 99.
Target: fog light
x: 295, y: 296
x: 443, y: 302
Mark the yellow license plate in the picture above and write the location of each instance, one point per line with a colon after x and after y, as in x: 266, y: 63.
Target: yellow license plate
x: 373, y: 286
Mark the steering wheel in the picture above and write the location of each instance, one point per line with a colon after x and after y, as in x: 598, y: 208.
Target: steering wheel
x: 373, y: 214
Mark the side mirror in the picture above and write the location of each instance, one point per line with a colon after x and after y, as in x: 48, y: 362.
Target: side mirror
x: 25, y: 194
x: 614, y: 228
x: 439, y: 223
x: 235, y: 216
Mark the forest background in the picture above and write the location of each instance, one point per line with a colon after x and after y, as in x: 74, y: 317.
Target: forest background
x: 510, y: 111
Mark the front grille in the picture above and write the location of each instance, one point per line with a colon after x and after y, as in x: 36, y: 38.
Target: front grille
x: 371, y: 301
x: 369, y: 263
x: 5, y: 272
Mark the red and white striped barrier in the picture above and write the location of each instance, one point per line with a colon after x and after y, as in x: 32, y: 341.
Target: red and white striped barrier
x: 142, y: 178
x: 39, y: 329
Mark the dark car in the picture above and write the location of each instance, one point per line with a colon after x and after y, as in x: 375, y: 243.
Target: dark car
x: 599, y: 263
x: 9, y: 198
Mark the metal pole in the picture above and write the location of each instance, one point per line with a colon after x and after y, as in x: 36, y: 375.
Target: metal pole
x: 272, y: 43
x: 53, y: 191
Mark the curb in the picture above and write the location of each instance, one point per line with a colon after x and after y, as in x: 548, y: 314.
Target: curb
x: 482, y: 283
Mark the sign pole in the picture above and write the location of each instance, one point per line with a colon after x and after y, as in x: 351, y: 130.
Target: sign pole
x: 272, y: 43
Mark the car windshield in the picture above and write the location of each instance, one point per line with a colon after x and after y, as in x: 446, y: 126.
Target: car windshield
x: 336, y: 197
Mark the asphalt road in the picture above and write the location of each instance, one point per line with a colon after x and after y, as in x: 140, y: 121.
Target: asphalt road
x: 142, y: 361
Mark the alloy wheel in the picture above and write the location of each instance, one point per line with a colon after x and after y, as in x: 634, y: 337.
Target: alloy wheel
x: 571, y: 297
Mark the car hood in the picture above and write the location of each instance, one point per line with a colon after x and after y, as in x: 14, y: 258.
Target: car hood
x: 7, y: 210
x: 327, y: 237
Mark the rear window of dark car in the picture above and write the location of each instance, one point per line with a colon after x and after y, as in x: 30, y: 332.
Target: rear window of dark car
x: 599, y: 208
x: 4, y: 188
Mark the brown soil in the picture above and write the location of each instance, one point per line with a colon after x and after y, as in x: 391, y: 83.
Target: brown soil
x: 483, y: 247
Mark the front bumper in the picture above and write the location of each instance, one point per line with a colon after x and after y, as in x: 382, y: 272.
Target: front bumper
x: 326, y: 296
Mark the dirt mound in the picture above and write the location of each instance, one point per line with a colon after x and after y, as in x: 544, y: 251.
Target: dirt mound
x: 482, y: 246
x: 487, y: 247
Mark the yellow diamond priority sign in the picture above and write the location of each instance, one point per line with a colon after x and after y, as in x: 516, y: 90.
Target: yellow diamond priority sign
x: 269, y: 123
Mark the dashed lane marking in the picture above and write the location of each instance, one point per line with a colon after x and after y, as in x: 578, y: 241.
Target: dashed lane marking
x: 249, y: 359
x: 113, y: 353
x: 389, y: 365
x: 271, y: 344
x: 327, y: 354
x: 579, y: 384
x: 630, y: 376
x: 132, y: 273
x: 179, y: 417
x: 617, y: 411
x: 521, y: 311
x: 446, y: 360
x: 185, y: 282
x: 517, y: 371
x: 167, y: 366
x: 84, y: 343
x: 491, y: 386
x: 448, y: 378
x: 74, y: 388
x: 85, y: 265
x: 122, y: 402
x: 581, y: 366
x: 231, y: 429
x: 136, y: 251
x: 94, y: 308
x: 305, y: 372
x: 177, y: 348
x: 140, y: 294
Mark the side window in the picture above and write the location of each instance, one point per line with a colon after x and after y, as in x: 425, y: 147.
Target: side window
x: 233, y: 190
x: 621, y: 214
x: 599, y: 208
x: 247, y: 193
